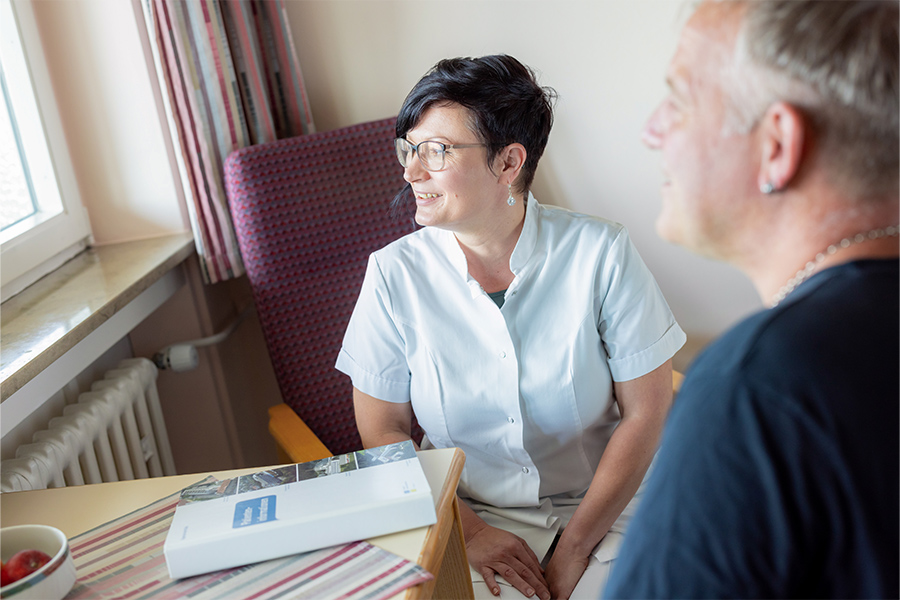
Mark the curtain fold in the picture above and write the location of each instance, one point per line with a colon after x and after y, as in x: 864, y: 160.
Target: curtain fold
x: 231, y: 75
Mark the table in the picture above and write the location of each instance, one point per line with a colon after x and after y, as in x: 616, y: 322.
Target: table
x: 439, y: 548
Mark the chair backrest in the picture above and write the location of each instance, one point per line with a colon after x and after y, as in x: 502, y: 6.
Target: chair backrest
x: 308, y: 211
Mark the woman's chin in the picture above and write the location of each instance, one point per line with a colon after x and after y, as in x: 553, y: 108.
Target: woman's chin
x: 426, y: 216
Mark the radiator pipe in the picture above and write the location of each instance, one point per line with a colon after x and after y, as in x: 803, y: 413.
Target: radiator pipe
x: 183, y: 356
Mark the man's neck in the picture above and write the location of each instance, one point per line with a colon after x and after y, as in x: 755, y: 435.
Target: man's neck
x: 810, y: 241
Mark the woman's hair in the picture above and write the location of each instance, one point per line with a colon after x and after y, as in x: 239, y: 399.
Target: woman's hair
x: 506, y: 103
x: 838, y: 62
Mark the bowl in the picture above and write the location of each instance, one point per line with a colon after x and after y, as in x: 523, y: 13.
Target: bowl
x: 52, y: 581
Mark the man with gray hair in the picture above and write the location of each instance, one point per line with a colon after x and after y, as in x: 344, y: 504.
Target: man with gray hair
x: 777, y: 475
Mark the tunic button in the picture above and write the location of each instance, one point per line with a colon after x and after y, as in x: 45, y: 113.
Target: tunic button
x: 510, y: 419
x: 502, y: 354
x: 525, y: 469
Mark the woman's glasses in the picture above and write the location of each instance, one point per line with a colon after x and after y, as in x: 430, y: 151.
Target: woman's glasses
x: 431, y: 154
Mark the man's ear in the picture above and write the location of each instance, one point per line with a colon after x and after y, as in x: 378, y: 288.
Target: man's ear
x: 783, y: 130
x: 512, y: 159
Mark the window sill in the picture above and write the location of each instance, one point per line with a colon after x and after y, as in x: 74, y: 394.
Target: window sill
x: 69, y: 306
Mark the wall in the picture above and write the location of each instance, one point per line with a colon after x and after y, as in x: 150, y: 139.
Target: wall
x: 605, y: 58
x: 107, y: 107
x: 216, y: 414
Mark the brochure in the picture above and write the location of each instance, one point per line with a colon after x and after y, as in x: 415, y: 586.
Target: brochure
x: 298, y: 508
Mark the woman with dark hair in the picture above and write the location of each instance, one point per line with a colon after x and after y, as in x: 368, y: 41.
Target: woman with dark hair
x: 532, y: 337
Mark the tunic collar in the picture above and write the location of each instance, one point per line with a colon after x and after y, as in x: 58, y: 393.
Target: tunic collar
x: 520, y: 255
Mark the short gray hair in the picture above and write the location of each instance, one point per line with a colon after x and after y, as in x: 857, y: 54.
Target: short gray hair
x: 837, y: 61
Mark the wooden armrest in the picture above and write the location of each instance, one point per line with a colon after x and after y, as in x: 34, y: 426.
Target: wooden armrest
x: 677, y: 378
x: 296, y: 442
x: 444, y: 551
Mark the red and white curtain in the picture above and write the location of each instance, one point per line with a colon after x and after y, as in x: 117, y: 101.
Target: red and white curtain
x: 231, y: 76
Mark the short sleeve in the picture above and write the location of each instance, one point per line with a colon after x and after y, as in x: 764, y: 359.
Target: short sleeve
x: 635, y: 324
x: 373, y: 352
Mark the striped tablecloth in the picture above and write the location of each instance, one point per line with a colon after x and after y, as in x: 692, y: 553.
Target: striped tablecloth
x: 124, y: 559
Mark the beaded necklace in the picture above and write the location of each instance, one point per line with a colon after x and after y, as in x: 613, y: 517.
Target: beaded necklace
x: 812, y: 265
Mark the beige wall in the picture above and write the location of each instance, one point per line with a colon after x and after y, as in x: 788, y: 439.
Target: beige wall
x: 359, y: 59
x: 105, y: 98
x: 606, y: 60
x: 216, y: 414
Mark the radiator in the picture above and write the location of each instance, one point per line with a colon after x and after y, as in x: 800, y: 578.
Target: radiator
x: 113, y: 432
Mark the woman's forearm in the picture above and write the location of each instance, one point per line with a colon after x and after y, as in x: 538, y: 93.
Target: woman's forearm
x: 644, y: 404
x: 622, y: 468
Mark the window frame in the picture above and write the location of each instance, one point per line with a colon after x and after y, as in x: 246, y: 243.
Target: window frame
x: 28, y: 255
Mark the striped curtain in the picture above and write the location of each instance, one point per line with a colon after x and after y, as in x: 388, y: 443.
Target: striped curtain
x: 232, y: 79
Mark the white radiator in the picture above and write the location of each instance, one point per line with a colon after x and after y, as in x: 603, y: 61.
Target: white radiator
x: 114, y: 432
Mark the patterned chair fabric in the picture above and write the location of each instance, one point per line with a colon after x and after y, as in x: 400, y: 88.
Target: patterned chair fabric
x: 308, y: 211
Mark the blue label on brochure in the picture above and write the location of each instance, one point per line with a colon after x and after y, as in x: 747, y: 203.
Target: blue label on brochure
x: 254, y: 512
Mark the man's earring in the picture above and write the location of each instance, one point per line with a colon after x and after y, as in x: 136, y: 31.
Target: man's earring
x: 512, y: 199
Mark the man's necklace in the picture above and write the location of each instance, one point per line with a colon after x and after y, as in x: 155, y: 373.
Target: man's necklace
x: 812, y: 265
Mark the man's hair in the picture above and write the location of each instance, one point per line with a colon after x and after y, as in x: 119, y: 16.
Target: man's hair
x: 836, y: 61
x: 504, y: 98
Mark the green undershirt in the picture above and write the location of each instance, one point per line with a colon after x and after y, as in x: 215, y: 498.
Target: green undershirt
x: 497, y: 297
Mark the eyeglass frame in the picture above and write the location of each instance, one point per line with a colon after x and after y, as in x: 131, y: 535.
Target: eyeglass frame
x: 415, y: 148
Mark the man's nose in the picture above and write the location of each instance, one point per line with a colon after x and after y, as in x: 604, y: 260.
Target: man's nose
x: 652, y: 133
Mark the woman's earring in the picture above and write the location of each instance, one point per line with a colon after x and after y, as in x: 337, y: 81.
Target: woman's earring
x: 767, y: 188
x: 512, y: 199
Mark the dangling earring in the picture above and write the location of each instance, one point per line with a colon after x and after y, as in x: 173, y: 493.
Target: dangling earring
x: 512, y: 199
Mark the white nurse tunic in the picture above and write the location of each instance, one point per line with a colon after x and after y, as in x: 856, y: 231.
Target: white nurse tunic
x: 524, y: 390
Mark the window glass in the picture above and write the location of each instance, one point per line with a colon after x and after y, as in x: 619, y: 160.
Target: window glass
x: 42, y: 220
x: 16, y: 196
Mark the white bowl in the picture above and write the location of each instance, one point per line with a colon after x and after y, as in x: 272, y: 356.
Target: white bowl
x: 52, y: 581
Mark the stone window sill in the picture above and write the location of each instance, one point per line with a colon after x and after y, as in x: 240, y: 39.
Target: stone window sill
x: 87, y: 304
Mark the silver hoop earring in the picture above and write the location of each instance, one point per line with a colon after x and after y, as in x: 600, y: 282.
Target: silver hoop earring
x: 767, y: 188
x: 512, y: 199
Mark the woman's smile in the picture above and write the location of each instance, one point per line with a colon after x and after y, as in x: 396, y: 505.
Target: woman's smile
x: 426, y: 197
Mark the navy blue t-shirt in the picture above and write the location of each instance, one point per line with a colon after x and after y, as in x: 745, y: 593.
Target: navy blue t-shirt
x: 777, y: 475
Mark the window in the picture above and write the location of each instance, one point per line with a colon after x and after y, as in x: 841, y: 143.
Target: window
x: 17, y: 191
x: 42, y: 220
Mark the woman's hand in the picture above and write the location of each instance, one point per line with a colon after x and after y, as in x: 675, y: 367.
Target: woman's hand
x: 564, y: 571
x: 491, y: 550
